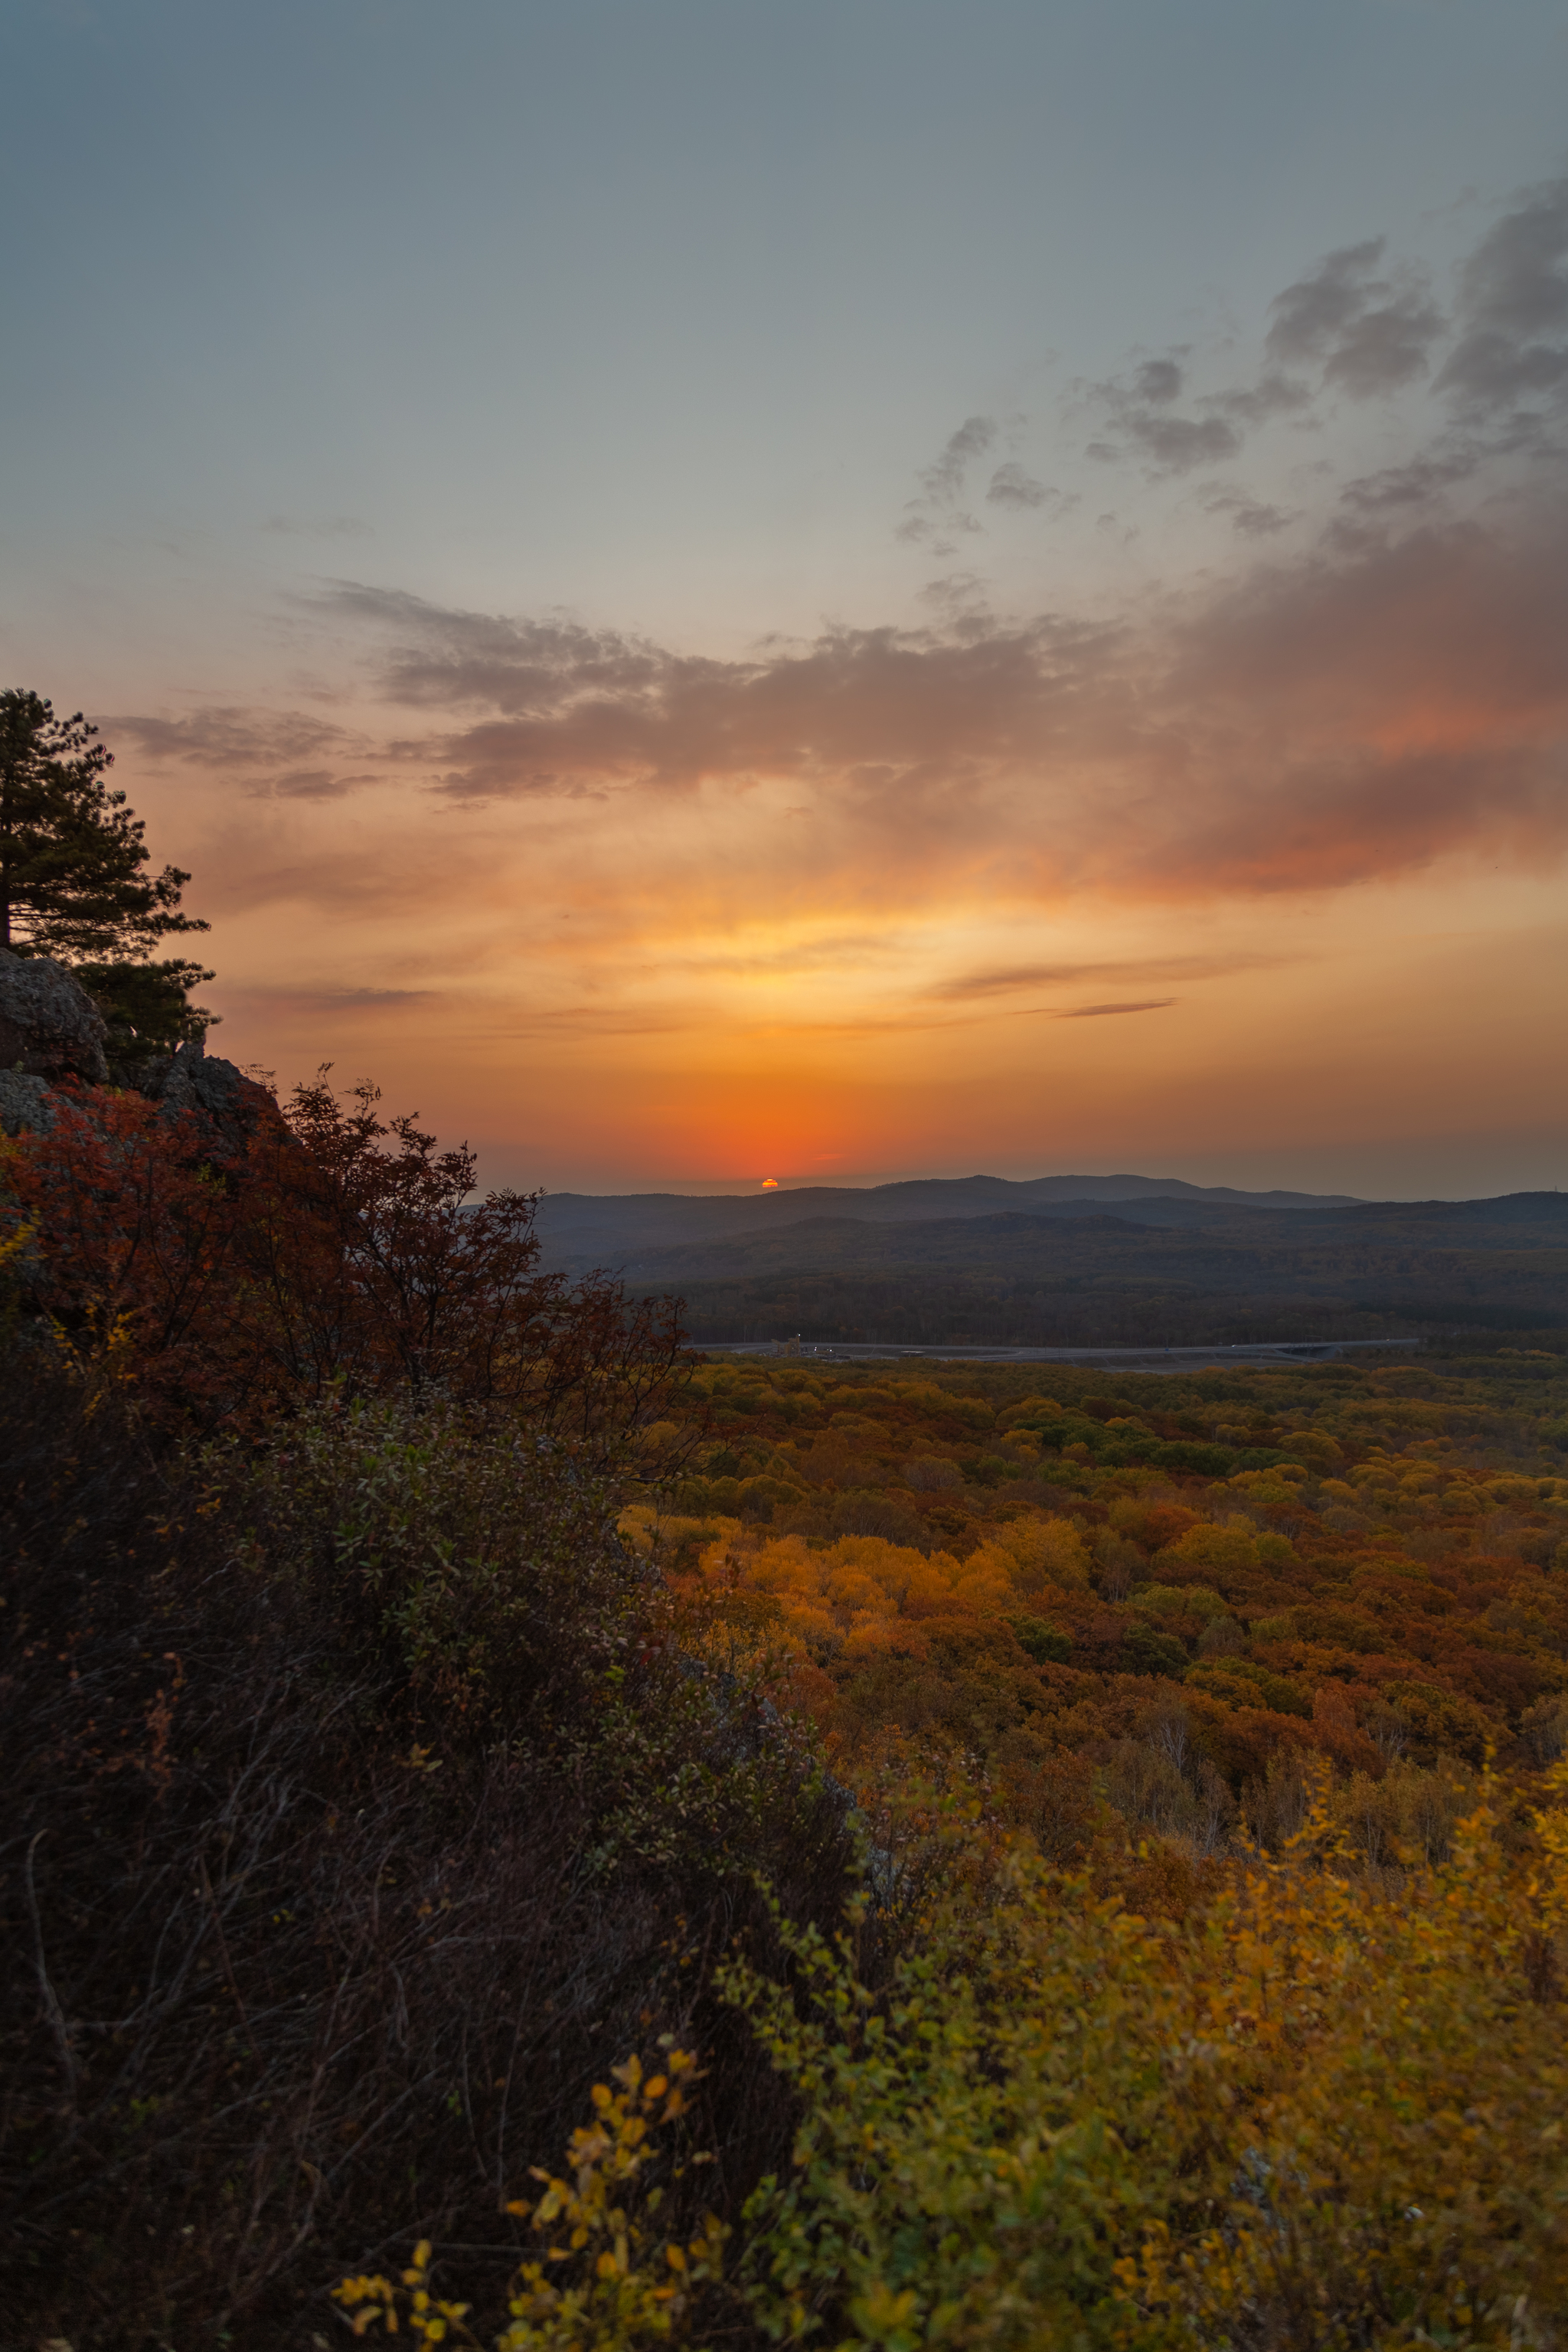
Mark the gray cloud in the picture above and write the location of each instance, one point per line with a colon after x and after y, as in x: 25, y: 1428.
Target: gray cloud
x: 1011, y: 980
x: 1388, y: 346
x: 303, y: 784
x: 973, y: 437
x: 1177, y: 443
x: 1359, y: 709
x: 1272, y: 395
x: 1310, y: 315
x: 1140, y: 411
x: 311, y: 784
x: 233, y: 736
x: 1248, y: 515
x: 242, y: 742
x: 1157, y: 380
x: 963, y: 599
x: 1010, y: 485
x: 1365, y: 330
x: 939, y: 513
x: 940, y: 517
x: 331, y: 1000
x: 1416, y: 483
x: 1366, y: 326
x: 1513, y: 311
x: 581, y: 710
x: 449, y: 657
x: 1369, y: 334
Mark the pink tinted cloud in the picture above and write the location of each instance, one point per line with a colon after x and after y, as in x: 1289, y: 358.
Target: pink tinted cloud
x: 1358, y: 713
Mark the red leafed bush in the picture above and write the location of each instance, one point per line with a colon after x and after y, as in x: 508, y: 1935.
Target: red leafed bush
x: 326, y: 1250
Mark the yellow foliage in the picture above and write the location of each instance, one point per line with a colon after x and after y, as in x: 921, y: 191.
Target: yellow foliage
x: 647, y: 1529
x: 611, y: 2285
x: 1316, y: 2117
x: 1233, y: 1546
x: 1552, y: 1830
x: 1045, y: 1553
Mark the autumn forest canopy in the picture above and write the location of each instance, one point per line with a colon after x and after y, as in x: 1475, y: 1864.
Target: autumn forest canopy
x: 525, y: 1830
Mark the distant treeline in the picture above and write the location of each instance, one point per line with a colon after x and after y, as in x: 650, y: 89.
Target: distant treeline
x: 1387, y: 1270
x: 999, y: 1313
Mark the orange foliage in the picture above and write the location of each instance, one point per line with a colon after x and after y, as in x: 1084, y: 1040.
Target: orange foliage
x: 1369, y: 1567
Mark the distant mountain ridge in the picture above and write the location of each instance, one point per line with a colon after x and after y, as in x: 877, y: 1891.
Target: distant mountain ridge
x: 579, y: 1229
x: 1021, y: 1265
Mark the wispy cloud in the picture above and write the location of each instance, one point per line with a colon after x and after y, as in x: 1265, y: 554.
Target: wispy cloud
x: 246, y: 747
x: 1094, y: 1012
x: 941, y: 516
x: 1011, y: 485
x: 326, y: 999
x: 1010, y: 980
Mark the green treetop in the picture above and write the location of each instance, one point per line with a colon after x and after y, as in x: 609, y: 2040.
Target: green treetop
x: 74, y: 879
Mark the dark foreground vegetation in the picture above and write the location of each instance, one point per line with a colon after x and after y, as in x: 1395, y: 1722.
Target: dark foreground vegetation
x: 982, y: 1858
x: 363, y: 1791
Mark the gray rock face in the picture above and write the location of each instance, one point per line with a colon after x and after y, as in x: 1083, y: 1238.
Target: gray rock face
x: 188, y: 1081
x: 50, y: 1026
x: 51, y: 1033
x: 228, y: 1104
x: 24, y: 1105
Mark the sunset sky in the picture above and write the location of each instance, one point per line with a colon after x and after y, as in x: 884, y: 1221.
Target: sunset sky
x: 831, y: 591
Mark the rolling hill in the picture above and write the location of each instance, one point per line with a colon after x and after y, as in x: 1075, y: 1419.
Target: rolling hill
x: 1151, y: 1267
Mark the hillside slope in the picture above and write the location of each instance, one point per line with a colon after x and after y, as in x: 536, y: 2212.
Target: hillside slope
x: 1368, y: 1269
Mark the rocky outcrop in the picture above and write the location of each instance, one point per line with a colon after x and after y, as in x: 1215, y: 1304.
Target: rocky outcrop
x: 228, y: 1104
x: 24, y: 1104
x: 189, y: 1081
x: 50, y: 1026
x: 51, y: 1034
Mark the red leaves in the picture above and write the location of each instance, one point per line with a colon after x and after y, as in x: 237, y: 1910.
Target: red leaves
x: 134, y: 1241
x: 332, y: 1250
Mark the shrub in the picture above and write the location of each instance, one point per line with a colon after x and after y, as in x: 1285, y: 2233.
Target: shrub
x: 356, y: 1793
x: 323, y: 1252
x: 623, y: 2294
x: 1311, y: 2117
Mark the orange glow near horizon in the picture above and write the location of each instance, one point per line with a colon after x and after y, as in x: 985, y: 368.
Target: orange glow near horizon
x: 1303, y: 1030
x: 1271, y: 876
